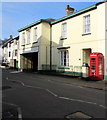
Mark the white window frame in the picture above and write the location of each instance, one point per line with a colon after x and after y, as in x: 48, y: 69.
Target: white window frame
x: 64, y: 58
x: 15, y: 42
x: 9, y: 44
x: 64, y: 30
x: 35, y: 35
x: 23, y: 39
x: 28, y: 36
x: 86, y: 24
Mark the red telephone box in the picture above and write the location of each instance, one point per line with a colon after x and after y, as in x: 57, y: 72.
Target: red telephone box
x: 96, y: 66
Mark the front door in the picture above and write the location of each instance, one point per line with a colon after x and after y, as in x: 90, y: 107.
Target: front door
x: 86, y: 55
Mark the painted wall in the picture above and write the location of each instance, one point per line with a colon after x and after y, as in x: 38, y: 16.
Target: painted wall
x: 32, y: 46
x: 76, y: 38
x: 44, y: 46
x: 41, y: 46
x: 105, y: 41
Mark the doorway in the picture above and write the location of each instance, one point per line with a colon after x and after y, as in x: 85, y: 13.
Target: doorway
x: 86, y: 55
x: 29, y: 61
x: 35, y: 61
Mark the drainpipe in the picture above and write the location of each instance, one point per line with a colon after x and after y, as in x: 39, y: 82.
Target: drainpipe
x: 46, y: 58
x: 50, y: 47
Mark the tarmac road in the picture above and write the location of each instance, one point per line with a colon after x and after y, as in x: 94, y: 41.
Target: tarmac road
x: 39, y: 96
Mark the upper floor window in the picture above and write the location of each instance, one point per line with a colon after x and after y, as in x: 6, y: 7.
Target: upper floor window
x: 64, y: 30
x: 23, y: 38
x: 28, y: 36
x: 64, y: 58
x: 9, y: 44
x: 35, y: 35
x: 87, y: 24
x: 16, y: 42
x: 16, y: 52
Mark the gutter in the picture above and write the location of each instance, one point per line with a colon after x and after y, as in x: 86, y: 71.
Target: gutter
x: 76, y: 13
x: 33, y: 24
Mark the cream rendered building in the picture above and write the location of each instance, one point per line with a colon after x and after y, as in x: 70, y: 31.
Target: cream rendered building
x: 65, y: 43
x: 78, y: 34
x: 34, y: 46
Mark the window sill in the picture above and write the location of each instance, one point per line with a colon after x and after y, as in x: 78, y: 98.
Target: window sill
x: 86, y: 34
x: 63, y: 38
x: 63, y: 67
x: 22, y: 45
x: 28, y: 43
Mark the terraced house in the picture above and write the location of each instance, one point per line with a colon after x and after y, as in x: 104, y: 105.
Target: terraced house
x: 35, y: 45
x: 10, y: 51
x: 65, y: 44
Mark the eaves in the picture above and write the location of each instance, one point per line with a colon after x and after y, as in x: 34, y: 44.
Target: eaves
x: 33, y: 24
x: 75, y: 14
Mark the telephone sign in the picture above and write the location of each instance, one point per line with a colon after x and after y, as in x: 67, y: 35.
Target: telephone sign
x: 96, y: 66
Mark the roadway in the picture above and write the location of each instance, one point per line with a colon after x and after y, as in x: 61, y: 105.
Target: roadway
x: 40, y: 96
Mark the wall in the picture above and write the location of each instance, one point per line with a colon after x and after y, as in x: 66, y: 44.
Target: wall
x: 32, y: 46
x: 77, y: 40
x: 41, y: 46
x: 105, y: 41
x: 44, y: 46
x: 15, y: 47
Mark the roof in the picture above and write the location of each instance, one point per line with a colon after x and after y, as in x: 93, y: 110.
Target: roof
x: 9, y: 40
x: 92, y: 7
x: 37, y: 22
x: 76, y: 13
x: 53, y: 21
x: 16, y: 38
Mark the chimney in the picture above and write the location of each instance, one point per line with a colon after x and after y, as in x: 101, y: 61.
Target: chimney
x: 11, y: 36
x: 69, y: 10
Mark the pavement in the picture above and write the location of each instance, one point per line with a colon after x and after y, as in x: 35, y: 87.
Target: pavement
x: 78, y: 81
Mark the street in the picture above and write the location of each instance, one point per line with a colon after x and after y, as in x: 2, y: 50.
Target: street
x: 40, y: 96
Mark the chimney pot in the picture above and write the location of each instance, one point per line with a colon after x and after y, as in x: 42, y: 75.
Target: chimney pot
x: 11, y: 36
x: 69, y: 10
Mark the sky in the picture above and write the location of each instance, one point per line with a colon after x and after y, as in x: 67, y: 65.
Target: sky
x: 16, y: 15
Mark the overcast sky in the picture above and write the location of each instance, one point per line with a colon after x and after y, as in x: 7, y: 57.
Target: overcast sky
x: 16, y: 15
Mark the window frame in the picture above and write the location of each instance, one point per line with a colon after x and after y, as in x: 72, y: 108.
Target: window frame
x: 9, y: 44
x: 35, y: 35
x: 64, y: 58
x: 86, y: 24
x: 64, y: 30
x: 23, y: 39
x: 16, y: 53
x: 28, y: 36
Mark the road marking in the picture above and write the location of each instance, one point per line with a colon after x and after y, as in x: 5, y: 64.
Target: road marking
x: 77, y: 100
x: 83, y: 101
x: 15, y: 72
x: 103, y: 106
x: 61, y: 97
x: 52, y: 93
x: 32, y: 87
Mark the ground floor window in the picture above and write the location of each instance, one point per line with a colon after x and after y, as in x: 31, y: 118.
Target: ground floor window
x: 64, y: 58
x: 9, y: 54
